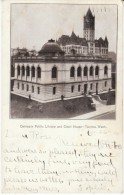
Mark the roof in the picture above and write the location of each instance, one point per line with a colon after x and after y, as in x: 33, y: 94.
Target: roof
x: 24, y: 50
x: 50, y: 47
x: 72, y: 40
x: 73, y: 35
x: 63, y: 59
x: 89, y: 14
x: 101, y: 42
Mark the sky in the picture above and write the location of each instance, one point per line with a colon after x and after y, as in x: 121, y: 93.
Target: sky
x: 32, y: 25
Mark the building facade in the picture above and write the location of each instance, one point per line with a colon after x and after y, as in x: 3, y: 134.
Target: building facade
x: 87, y: 45
x: 54, y: 75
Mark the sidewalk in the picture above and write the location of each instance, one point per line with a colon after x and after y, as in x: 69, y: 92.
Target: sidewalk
x: 101, y: 109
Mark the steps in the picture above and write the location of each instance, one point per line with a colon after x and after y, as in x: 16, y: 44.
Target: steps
x: 98, y: 99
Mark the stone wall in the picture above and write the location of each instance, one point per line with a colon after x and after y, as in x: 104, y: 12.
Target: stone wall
x: 65, y: 89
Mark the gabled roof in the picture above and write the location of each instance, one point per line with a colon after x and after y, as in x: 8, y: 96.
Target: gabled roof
x: 101, y: 42
x: 72, y: 40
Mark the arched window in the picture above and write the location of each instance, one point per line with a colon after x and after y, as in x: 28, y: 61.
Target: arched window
x: 32, y: 89
x: 97, y: 70
x: 28, y: 71
x: 54, y: 72
x: 18, y: 70
x: 85, y: 71
x: 38, y: 72
x: 38, y: 90
x: 105, y: 70
x: 91, y: 71
x: 33, y: 71
x: 23, y: 71
x: 54, y: 90
x: 72, y: 71
x: 79, y: 71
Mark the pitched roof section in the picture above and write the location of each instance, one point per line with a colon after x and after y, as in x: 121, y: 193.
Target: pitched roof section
x: 73, y: 35
x: 72, y: 40
x: 89, y: 14
x: 101, y: 42
x: 76, y: 40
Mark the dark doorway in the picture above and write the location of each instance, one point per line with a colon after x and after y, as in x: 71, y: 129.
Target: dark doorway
x: 85, y: 88
x: 73, y: 51
x: 96, y: 88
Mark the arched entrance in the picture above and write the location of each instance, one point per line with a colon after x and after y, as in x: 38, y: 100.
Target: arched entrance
x: 73, y: 51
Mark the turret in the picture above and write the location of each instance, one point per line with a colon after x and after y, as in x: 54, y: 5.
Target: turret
x: 106, y: 41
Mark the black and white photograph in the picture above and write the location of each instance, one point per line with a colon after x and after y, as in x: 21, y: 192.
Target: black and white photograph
x: 63, y: 61
x: 62, y: 97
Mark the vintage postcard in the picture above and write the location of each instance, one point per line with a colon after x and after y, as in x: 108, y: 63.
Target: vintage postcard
x: 70, y: 72
x: 62, y: 96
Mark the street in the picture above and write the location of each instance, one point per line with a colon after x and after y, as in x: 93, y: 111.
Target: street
x: 108, y: 115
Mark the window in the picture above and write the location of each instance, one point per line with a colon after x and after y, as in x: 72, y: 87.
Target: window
x: 79, y: 87
x: 54, y: 90
x: 38, y: 90
x: 22, y: 86
x: 38, y: 72
x: 54, y: 72
x: 33, y: 71
x: 18, y: 70
x: 32, y: 89
x: 72, y: 71
x: 105, y: 83
x: 28, y: 71
x: 91, y: 86
x: 72, y: 88
x: 18, y: 85
x: 97, y: 70
x: 85, y: 71
x: 27, y: 87
x: 79, y: 71
x: 105, y: 70
x: 91, y: 71
x: 23, y: 71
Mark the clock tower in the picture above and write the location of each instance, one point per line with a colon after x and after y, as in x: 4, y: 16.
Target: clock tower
x: 89, y: 26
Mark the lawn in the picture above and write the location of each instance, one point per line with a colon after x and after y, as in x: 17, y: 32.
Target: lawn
x: 25, y: 108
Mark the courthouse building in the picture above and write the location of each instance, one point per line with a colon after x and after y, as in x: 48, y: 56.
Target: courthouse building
x: 68, y: 67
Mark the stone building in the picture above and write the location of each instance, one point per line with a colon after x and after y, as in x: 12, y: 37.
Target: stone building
x: 87, y: 45
x: 54, y: 74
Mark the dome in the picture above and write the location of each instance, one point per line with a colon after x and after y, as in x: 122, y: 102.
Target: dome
x: 51, y: 47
